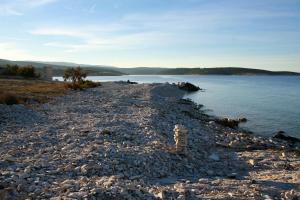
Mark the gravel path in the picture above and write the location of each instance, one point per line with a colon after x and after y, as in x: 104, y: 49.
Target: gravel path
x: 116, y: 141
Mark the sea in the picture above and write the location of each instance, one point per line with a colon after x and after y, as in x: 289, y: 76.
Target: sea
x: 270, y: 103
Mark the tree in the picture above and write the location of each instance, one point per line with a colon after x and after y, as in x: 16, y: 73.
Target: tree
x: 11, y: 70
x: 27, y: 71
x: 76, y: 76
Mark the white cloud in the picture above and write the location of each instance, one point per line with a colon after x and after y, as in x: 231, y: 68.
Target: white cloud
x: 54, y: 31
x: 34, y: 3
x: 18, y: 7
x: 117, y: 42
x: 8, y: 10
x: 11, y: 51
x: 194, y: 29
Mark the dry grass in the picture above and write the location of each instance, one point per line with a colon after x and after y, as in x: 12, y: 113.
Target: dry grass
x: 31, y: 90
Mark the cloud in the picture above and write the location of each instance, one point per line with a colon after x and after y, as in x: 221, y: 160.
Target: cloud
x: 55, y: 31
x: 201, y: 28
x: 35, y: 3
x: 113, y: 42
x: 10, y: 50
x: 18, y: 7
x: 7, y: 10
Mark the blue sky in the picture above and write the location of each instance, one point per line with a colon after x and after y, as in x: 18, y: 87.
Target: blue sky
x: 155, y: 33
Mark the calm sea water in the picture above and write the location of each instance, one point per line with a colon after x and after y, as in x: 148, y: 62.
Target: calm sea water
x: 270, y: 103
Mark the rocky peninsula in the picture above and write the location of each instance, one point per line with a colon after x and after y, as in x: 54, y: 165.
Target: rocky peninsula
x: 116, y: 141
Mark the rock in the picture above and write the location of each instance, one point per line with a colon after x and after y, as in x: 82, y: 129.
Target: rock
x: 283, y: 136
x: 130, y: 82
x: 212, y: 122
x: 290, y: 195
x: 84, y: 169
x: 232, y: 175
x: 231, y: 123
x: 242, y: 120
x: 214, y: 157
x: 106, y: 132
x: 188, y: 87
x: 109, y: 182
x: 78, y: 195
x: 181, y: 139
x: 27, y: 170
x: 251, y: 162
x: 210, y: 172
x: 161, y: 195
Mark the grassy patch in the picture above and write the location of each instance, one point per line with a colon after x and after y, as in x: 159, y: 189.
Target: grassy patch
x: 20, y: 91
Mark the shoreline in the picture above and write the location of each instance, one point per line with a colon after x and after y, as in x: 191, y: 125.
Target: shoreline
x: 116, y: 141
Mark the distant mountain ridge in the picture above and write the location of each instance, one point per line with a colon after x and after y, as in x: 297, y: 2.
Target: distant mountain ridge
x: 224, y: 71
x: 59, y: 67
x: 102, y: 70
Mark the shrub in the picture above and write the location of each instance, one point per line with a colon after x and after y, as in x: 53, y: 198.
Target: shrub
x: 75, y: 75
x: 74, y: 86
x: 15, y: 70
x: 90, y: 84
x: 76, y: 78
x: 11, y: 70
x: 27, y: 71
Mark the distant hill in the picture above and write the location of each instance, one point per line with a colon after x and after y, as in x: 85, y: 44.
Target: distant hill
x: 58, y: 68
x: 102, y: 70
x: 223, y: 71
x: 142, y: 70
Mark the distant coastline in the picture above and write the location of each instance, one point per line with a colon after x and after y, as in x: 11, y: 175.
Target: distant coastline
x: 101, y: 70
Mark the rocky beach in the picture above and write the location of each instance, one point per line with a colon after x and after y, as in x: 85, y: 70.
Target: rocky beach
x: 116, y: 141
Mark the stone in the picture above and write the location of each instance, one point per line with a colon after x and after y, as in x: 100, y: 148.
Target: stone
x: 210, y: 172
x: 188, y: 87
x: 290, y: 195
x: 84, y: 169
x: 251, y: 162
x: 283, y: 136
x: 181, y: 139
x: 214, y: 157
x: 27, y: 170
x: 231, y: 123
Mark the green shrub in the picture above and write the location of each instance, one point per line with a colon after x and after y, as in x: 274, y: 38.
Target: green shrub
x: 75, y: 78
x: 75, y: 75
x: 27, y: 71
x: 15, y: 70
x: 90, y: 84
x: 74, y: 86
x: 11, y: 70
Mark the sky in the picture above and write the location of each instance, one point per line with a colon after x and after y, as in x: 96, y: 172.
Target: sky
x: 262, y: 34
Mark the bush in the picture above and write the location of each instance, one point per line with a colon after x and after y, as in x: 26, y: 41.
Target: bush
x: 90, y: 84
x: 76, y: 77
x: 11, y: 70
x: 9, y: 99
x: 27, y: 71
x: 82, y: 85
x: 15, y: 70
x: 74, y: 86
